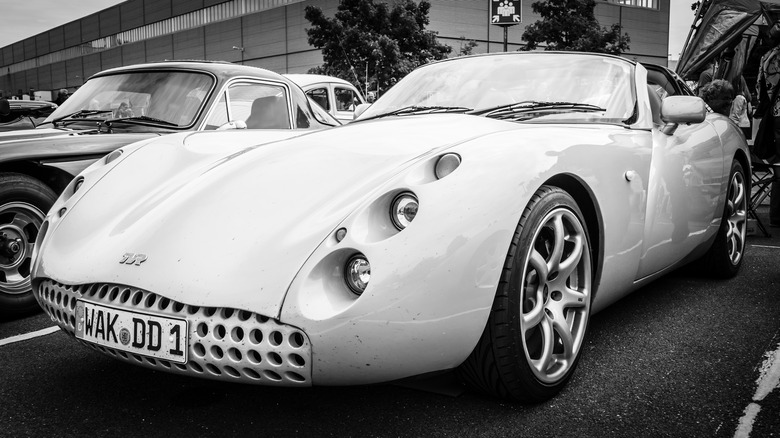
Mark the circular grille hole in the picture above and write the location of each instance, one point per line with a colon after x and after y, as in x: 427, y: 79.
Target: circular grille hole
x: 164, y: 303
x: 230, y: 371
x: 73, y: 305
x: 181, y: 367
x: 237, y: 334
x: 213, y: 369
x: 254, y: 356
x: 227, y: 313
x: 113, y: 294
x: 137, y: 297
x: 138, y: 358
x: 199, y: 349
x: 103, y: 291
x: 58, y: 299
x: 243, y: 315
x: 123, y: 354
x: 65, y: 301
x: 217, y: 352
x: 203, y: 330
x: 125, y: 296
x: 296, y: 340
x: 150, y: 300
x: 209, y: 311
x: 165, y: 363
x: 252, y: 374
x: 262, y: 319
x: 192, y: 309
x: 296, y: 360
x: 219, y: 331
x: 194, y: 366
x: 276, y: 338
x: 235, y: 354
x: 272, y: 375
x: 151, y: 360
x: 72, y: 321
x: 295, y: 377
x: 274, y: 358
x: 178, y: 307
x: 256, y: 336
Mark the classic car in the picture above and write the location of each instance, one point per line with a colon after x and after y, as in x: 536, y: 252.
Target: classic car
x: 23, y: 114
x: 117, y: 107
x: 472, y: 219
x: 337, y: 96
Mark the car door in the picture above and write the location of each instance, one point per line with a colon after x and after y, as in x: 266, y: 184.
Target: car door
x: 258, y: 104
x: 686, y: 179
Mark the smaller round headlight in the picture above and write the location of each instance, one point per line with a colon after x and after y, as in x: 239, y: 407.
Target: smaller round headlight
x: 446, y: 164
x: 404, y: 209
x: 357, y: 273
x: 113, y: 156
x: 78, y: 184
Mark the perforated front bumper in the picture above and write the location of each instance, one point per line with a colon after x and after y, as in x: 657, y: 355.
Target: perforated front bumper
x: 224, y: 344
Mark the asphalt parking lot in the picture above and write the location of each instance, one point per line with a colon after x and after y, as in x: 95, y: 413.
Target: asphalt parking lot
x: 685, y: 356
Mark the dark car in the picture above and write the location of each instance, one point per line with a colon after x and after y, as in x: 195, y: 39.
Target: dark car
x: 23, y: 114
x: 121, y: 106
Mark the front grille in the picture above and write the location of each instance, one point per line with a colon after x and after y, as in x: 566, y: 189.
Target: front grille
x: 224, y: 344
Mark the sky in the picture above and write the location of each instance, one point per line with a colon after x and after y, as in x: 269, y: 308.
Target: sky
x: 26, y: 18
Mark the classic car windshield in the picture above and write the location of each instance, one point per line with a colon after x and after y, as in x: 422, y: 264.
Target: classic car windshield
x: 172, y: 98
x: 582, y: 88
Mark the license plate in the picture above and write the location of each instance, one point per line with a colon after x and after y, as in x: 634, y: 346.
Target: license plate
x: 133, y: 332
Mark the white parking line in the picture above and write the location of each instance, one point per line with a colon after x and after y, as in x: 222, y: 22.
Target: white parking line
x: 31, y: 335
x: 766, y: 246
x: 768, y: 380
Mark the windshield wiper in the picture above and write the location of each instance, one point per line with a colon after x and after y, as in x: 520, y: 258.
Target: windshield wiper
x: 506, y: 111
x: 79, y: 115
x: 418, y: 109
x: 136, y: 119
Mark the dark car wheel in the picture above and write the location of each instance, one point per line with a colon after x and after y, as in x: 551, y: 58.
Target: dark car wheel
x: 727, y: 252
x: 534, y: 335
x: 23, y: 203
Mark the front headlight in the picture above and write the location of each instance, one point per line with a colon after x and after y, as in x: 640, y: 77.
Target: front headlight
x: 113, y: 156
x: 78, y: 184
x: 404, y: 209
x: 357, y: 273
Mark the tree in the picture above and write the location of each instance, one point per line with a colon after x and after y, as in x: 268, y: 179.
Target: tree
x: 368, y: 38
x: 466, y: 46
x: 572, y: 25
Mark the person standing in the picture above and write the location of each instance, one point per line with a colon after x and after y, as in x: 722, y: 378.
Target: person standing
x: 740, y: 107
x: 62, y: 96
x: 769, y: 80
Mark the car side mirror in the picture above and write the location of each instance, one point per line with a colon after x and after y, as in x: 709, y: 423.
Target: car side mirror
x: 681, y: 109
x: 360, y: 109
x: 5, y: 107
x: 235, y: 124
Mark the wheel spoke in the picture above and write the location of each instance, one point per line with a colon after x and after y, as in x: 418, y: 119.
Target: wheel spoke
x: 559, y: 236
x: 568, y: 266
x: 543, y: 363
x: 538, y: 262
x: 573, y: 298
x: 564, y: 332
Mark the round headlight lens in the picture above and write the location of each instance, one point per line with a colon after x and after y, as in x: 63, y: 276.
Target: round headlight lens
x: 78, y: 184
x: 446, y: 164
x: 404, y: 209
x: 358, y: 273
x: 113, y: 156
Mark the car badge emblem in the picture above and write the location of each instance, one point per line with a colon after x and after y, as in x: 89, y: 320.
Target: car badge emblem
x: 124, y: 336
x: 130, y: 258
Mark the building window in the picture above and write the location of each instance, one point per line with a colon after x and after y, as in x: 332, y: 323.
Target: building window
x: 650, y: 4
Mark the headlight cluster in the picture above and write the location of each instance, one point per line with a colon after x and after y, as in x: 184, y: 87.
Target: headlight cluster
x: 113, y: 156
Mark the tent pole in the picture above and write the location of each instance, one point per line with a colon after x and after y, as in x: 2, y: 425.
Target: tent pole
x: 695, y: 20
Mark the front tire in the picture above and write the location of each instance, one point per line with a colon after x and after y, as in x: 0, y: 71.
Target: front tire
x: 23, y: 203
x: 535, y: 332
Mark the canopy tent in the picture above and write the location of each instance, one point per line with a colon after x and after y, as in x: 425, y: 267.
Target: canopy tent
x: 728, y: 27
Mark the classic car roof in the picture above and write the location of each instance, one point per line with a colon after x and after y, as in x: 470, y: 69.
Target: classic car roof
x: 218, y: 68
x: 304, y: 80
x: 31, y: 105
x: 536, y: 53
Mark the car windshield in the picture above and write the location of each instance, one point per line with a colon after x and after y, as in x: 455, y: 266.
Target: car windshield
x: 173, y: 99
x: 533, y: 87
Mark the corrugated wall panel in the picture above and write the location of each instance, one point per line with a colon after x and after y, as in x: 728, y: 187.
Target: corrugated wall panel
x: 274, y: 63
x: 18, y: 51
x: 72, y: 33
x: 111, y: 58
x: 264, y: 34
x: 189, y: 44
x: 159, y: 49
x: 296, y: 25
x: 91, y: 64
x: 302, y: 62
x: 42, y: 43
x: 74, y: 71
x: 29, y: 48
x: 31, y: 79
x: 156, y: 10
x: 134, y: 53
x: 132, y: 14
x: 183, y: 6
x: 44, y: 78
x: 220, y: 39
x: 57, y: 39
x: 90, y: 28
x: 109, y: 21
x: 19, y: 81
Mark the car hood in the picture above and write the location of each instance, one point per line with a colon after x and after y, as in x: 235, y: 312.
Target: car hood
x: 232, y: 230
x: 61, y: 143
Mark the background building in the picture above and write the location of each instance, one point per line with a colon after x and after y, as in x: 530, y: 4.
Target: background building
x: 264, y: 33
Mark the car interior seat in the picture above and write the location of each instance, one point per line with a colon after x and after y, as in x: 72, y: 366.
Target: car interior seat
x: 268, y: 112
x: 655, y: 103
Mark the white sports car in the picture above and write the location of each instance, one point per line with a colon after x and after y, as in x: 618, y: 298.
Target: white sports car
x: 473, y: 218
